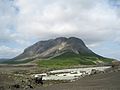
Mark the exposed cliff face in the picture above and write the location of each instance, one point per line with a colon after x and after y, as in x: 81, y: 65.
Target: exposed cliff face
x: 55, y: 47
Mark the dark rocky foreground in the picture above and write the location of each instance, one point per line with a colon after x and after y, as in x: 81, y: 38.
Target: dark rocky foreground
x: 109, y: 80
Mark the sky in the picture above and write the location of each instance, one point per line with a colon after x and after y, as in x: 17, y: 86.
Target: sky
x: 24, y: 22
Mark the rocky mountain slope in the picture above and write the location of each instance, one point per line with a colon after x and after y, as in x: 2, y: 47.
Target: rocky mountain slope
x: 55, y: 47
x: 60, y: 49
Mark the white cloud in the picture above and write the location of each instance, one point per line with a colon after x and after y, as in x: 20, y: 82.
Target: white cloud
x: 7, y: 19
x: 62, y: 18
x: 94, y: 21
x: 8, y: 52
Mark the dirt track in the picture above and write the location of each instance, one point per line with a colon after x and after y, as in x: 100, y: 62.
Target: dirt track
x: 106, y: 81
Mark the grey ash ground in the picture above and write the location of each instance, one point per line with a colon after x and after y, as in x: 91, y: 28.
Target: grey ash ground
x: 110, y: 80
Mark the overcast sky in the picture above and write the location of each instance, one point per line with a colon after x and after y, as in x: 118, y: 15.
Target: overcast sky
x: 24, y: 22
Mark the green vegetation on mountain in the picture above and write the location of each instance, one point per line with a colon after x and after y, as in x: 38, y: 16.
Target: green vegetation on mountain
x: 59, y: 52
x: 66, y: 60
x: 17, y: 62
x: 71, y: 59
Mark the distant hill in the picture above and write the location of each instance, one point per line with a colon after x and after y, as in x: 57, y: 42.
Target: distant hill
x: 3, y: 60
x: 60, y: 51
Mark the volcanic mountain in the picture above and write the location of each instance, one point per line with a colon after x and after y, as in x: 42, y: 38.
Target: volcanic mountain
x: 60, y: 49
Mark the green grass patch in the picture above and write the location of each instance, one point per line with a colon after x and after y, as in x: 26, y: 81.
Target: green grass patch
x: 71, y: 59
x: 66, y: 60
x: 17, y: 62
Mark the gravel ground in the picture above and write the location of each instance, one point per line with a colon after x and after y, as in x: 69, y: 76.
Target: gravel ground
x: 106, y: 81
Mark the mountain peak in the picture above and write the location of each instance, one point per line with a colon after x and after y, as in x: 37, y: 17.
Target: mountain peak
x: 70, y: 50
x: 54, y: 47
x: 61, y: 39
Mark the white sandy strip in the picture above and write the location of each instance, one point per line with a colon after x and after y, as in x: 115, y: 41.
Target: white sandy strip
x: 70, y: 74
x: 81, y: 69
